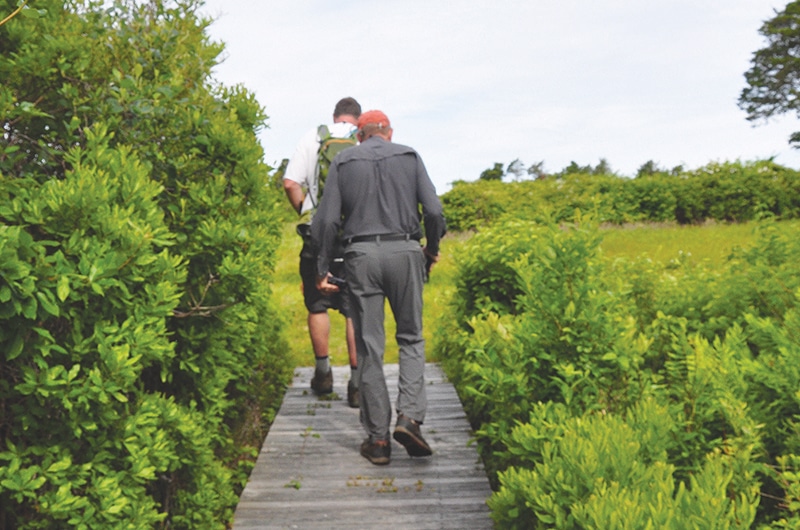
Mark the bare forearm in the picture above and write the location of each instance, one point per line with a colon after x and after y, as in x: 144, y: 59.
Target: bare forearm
x: 294, y: 192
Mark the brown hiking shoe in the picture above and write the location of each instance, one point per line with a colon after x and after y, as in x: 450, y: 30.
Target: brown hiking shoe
x: 352, y: 395
x: 323, y: 385
x: 377, y: 452
x: 408, y: 434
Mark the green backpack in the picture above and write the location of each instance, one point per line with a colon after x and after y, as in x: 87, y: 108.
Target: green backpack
x: 329, y: 147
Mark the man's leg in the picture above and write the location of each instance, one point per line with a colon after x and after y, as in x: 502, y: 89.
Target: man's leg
x: 353, y: 395
x: 319, y: 329
x: 319, y: 325
x: 367, y: 311
x: 350, y: 334
x: 403, y: 287
x: 342, y: 303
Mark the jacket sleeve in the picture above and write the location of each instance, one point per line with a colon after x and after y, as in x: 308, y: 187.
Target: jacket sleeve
x: 432, y: 213
x: 326, y: 222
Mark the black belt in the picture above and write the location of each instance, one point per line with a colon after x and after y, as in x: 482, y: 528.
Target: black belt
x: 381, y: 237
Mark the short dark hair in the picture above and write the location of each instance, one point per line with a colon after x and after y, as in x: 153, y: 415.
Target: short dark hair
x: 347, y: 106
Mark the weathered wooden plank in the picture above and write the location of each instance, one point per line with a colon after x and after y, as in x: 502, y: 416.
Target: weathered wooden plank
x: 309, y: 473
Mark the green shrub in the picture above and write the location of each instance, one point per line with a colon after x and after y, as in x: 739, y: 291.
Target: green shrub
x: 601, y: 471
x: 142, y: 351
x: 487, y: 279
x: 690, y: 368
x: 731, y: 191
x: 539, y: 293
x: 469, y: 206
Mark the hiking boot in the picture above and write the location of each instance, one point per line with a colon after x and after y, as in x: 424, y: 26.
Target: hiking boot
x: 323, y: 385
x: 377, y: 452
x: 408, y: 434
x: 352, y: 395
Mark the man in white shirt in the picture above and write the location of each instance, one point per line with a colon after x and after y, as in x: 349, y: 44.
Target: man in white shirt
x: 301, y: 182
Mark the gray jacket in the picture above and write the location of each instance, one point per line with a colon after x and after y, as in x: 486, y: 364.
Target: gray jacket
x: 376, y: 188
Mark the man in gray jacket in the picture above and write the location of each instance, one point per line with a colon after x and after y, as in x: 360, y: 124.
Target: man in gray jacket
x: 373, y: 196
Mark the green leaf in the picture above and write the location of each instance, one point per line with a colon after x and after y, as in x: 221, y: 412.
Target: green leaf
x: 61, y: 465
x: 29, y: 307
x: 30, y: 13
x: 63, y: 288
x: 47, y: 303
x: 16, y: 347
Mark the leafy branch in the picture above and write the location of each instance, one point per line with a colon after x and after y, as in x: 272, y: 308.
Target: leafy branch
x: 15, y: 13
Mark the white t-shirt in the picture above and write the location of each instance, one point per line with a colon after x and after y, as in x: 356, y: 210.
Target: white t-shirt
x: 302, y: 167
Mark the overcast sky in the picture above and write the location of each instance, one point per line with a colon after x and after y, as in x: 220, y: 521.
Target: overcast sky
x: 468, y: 83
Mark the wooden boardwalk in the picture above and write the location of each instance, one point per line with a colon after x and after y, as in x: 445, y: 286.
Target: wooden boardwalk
x: 310, y: 474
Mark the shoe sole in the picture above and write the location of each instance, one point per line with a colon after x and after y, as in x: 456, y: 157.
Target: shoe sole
x: 414, y: 446
x: 378, y: 461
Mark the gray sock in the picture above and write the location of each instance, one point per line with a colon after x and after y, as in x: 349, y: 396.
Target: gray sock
x: 354, y: 375
x: 323, y: 365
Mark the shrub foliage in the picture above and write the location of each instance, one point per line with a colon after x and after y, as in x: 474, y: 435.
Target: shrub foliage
x: 731, y: 191
x: 141, y: 355
x: 629, y: 394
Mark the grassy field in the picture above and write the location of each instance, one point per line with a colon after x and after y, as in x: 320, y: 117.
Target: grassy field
x: 712, y: 242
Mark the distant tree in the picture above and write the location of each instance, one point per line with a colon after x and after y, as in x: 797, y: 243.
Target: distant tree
x: 774, y: 78
x: 495, y: 173
x: 537, y: 170
x: 648, y: 168
x: 516, y: 168
x: 573, y: 168
x: 602, y: 168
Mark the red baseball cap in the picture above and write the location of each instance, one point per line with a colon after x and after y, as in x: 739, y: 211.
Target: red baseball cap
x: 373, y: 116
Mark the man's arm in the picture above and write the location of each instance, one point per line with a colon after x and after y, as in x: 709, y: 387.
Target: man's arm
x: 433, y: 216
x: 327, y: 222
x: 295, y: 194
x: 301, y: 170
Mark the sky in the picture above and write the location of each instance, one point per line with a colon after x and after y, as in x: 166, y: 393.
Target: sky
x: 470, y: 83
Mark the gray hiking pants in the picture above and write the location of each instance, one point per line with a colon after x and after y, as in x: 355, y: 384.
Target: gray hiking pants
x: 376, y: 272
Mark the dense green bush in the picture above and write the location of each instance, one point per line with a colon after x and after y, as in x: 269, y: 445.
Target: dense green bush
x: 606, y: 471
x: 722, y: 192
x: 615, y: 394
x: 142, y: 355
x: 469, y: 205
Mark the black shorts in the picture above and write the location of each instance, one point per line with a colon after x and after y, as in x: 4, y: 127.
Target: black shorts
x: 315, y: 301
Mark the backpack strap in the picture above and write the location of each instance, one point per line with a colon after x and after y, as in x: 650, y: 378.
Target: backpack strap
x: 323, y: 134
x: 329, y: 146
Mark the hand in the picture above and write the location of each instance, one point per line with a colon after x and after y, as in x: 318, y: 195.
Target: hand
x: 430, y: 259
x: 325, y: 287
